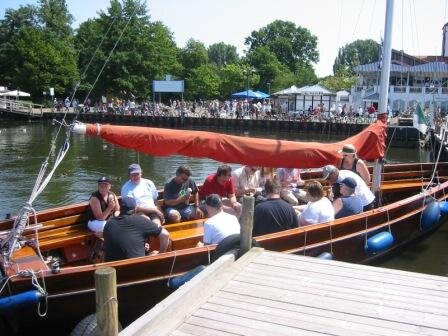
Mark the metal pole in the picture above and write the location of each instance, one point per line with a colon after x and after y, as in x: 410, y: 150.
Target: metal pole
x: 387, y: 53
x: 384, y: 88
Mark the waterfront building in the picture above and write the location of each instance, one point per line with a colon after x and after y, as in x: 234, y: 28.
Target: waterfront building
x: 413, y: 79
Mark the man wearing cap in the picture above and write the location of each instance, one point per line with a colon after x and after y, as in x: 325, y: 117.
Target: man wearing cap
x: 144, y: 192
x: 176, y: 196
x: 220, y: 224
x: 335, y: 176
x: 348, y: 204
x: 103, y: 204
x: 125, y: 236
x: 350, y: 161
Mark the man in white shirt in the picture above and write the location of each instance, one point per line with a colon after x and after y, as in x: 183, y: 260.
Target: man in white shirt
x: 247, y: 181
x: 334, y: 175
x: 220, y: 224
x: 144, y: 192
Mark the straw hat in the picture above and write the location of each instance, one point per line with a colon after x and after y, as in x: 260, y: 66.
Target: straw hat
x: 348, y: 149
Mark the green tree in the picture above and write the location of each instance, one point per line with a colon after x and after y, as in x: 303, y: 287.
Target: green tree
x: 221, y: 54
x: 232, y: 79
x: 338, y: 83
x: 145, y: 51
x: 354, y: 54
x: 193, y: 55
x: 293, y: 46
x: 202, y: 82
x: 38, y: 49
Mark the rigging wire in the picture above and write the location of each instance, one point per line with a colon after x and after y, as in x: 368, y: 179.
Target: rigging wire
x: 357, y: 20
x: 11, y: 241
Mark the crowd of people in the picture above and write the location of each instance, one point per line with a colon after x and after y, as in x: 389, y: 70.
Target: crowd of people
x: 282, y: 201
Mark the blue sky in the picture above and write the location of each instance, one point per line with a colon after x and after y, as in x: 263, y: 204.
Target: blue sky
x: 417, y: 23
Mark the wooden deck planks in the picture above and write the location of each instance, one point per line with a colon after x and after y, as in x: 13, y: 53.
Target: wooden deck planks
x: 280, y: 294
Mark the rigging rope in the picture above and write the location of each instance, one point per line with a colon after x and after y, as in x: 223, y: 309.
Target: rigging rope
x: 11, y: 241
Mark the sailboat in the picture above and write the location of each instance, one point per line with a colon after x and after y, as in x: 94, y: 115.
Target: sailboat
x: 61, y: 285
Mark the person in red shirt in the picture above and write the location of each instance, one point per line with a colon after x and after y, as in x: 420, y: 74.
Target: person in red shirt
x: 221, y: 183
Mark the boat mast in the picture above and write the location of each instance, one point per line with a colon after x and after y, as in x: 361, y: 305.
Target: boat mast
x: 384, y: 89
x: 387, y: 54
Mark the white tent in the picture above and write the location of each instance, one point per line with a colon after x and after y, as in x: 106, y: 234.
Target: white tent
x: 291, y: 90
x: 15, y: 93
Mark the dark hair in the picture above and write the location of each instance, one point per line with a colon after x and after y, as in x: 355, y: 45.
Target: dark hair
x: 315, y: 189
x: 183, y: 169
x: 272, y: 186
x: 214, y: 201
x: 223, y: 170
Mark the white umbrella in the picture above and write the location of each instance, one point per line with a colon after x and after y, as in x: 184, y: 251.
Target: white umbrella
x: 16, y: 93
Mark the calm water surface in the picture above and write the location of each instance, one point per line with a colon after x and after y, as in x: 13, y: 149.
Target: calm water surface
x: 24, y: 146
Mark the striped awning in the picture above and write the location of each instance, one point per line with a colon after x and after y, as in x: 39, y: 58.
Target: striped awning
x: 431, y: 67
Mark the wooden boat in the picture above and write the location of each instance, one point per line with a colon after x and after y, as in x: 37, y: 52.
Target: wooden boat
x: 62, y: 232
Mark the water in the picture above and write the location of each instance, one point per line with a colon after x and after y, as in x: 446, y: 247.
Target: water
x: 24, y: 146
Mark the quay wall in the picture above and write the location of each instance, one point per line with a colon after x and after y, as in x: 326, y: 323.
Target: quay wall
x: 401, y: 136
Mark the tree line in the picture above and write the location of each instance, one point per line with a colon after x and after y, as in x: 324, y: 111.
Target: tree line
x: 123, y: 51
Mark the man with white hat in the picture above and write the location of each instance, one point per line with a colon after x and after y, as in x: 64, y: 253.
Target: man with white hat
x: 144, y: 192
x: 335, y: 176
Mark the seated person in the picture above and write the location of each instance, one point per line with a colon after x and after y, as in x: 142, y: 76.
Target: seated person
x: 289, y: 179
x: 274, y: 214
x: 103, y: 204
x: 144, y: 192
x: 348, y: 204
x: 221, y: 183
x: 220, y: 224
x: 335, y: 176
x: 319, y: 208
x: 176, y: 196
x: 350, y: 161
x: 247, y: 182
x: 125, y: 236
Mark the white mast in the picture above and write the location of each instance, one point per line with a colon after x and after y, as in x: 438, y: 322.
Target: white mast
x: 384, y: 89
x: 387, y: 53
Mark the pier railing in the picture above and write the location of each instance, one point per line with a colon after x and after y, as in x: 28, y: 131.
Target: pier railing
x: 20, y: 107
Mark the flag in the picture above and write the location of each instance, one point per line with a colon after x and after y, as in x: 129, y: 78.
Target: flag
x: 419, y: 119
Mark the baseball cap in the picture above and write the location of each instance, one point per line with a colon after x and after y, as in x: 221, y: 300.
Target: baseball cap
x: 134, y: 168
x: 327, y: 170
x: 348, y: 149
x: 214, y: 201
x: 128, y: 205
x: 104, y: 179
x: 349, y: 182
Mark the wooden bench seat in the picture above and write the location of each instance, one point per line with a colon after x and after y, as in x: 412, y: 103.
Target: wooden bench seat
x: 64, y: 236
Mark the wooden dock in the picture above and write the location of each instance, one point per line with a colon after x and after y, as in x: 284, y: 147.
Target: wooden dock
x: 269, y: 293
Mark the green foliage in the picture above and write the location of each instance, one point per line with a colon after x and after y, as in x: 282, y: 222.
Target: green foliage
x: 220, y: 54
x: 293, y: 46
x: 233, y: 78
x: 354, y: 54
x: 202, y: 82
x: 193, y: 55
x: 338, y: 83
x: 146, y: 50
x: 37, y: 48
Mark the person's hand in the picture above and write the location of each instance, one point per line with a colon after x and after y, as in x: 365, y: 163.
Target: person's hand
x: 199, y: 213
x: 199, y: 244
x: 160, y: 214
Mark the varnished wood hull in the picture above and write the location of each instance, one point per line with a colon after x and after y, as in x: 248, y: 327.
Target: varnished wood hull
x: 71, y: 292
